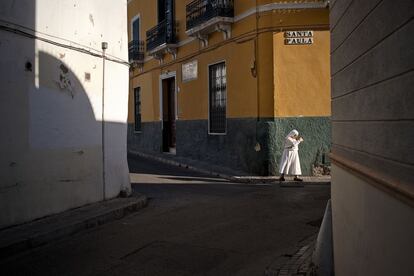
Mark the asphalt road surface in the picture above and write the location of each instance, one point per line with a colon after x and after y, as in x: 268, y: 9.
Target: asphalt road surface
x: 193, y: 225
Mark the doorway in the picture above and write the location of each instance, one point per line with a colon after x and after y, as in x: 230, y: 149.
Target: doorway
x: 168, y: 115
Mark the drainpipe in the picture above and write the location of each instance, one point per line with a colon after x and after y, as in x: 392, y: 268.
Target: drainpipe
x: 255, y: 73
x: 104, y: 47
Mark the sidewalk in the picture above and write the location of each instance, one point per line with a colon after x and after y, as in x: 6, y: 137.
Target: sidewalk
x: 229, y: 174
x: 30, y: 235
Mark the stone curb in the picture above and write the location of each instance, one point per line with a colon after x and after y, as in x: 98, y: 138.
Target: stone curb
x: 36, y: 238
x: 232, y: 178
x: 180, y: 164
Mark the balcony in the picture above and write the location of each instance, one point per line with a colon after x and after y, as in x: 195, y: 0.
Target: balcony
x: 161, y: 39
x: 136, y: 52
x: 207, y: 16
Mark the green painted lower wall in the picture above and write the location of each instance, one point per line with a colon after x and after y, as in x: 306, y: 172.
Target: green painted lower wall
x: 237, y: 148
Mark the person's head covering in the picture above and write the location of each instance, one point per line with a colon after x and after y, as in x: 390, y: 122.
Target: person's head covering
x: 293, y: 133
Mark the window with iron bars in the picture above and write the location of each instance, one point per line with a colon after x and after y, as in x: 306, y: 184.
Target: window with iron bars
x: 218, y: 98
x: 137, y: 107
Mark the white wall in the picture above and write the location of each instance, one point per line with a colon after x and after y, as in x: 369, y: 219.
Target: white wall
x: 373, y: 232
x: 51, y: 141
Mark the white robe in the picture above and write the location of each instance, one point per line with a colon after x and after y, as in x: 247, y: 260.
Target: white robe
x: 289, y: 162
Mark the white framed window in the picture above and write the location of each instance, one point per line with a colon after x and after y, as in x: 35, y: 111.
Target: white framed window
x: 217, y: 98
x: 136, y: 28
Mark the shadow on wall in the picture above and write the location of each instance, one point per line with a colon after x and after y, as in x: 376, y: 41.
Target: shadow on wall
x: 52, y: 150
x: 60, y: 110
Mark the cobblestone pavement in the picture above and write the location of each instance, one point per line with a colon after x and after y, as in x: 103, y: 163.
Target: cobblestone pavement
x: 297, y: 264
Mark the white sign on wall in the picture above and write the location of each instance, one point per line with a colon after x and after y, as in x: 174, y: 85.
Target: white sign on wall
x: 298, y: 37
x: 189, y: 71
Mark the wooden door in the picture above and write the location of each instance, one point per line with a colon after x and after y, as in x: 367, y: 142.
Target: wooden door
x: 169, y: 115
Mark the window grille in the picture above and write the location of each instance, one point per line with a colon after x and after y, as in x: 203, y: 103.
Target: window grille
x: 137, y: 97
x: 164, y: 31
x: 201, y: 11
x: 218, y: 98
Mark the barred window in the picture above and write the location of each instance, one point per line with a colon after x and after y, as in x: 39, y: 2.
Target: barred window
x: 218, y: 98
x: 137, y: 107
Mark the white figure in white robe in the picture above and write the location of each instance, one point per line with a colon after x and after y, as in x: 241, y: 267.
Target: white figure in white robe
x: 289, y: 162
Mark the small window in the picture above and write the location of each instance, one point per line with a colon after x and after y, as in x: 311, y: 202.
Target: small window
x: 217, y: 98
x: 137, y: 107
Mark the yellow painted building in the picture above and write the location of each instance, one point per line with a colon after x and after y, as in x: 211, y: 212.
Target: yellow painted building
x: 224, y: 81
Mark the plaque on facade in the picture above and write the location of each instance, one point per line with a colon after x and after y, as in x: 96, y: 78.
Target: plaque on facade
x: 298, y: 37
x: 189, y: 71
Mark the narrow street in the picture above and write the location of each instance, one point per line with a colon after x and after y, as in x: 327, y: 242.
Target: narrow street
x: 193, y: 225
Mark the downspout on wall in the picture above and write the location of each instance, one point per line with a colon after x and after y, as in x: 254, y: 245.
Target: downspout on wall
x: 104, y: 47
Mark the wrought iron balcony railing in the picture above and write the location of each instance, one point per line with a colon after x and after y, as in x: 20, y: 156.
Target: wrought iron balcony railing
x: 136, y: 51
x: 200, y: 11
x: 164, y: 32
